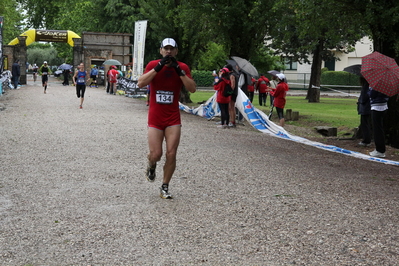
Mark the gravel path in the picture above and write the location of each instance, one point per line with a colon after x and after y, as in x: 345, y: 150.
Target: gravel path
x: 73, y: 192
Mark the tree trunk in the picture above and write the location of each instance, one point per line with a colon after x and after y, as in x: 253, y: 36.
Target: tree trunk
x: 313, y: 95
x: 185, y: 96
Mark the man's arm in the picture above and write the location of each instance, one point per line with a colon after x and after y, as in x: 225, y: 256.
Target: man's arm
x: 189, y: 83
x: 146, y: 78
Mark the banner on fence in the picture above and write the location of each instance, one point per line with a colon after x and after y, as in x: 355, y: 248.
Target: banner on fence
x: 127, y: 83
x: 140, y: 29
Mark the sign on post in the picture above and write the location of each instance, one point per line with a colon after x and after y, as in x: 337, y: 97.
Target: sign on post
x: 140, y: 29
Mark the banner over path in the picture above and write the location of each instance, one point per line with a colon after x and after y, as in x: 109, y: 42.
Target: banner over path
x: 47, y: 36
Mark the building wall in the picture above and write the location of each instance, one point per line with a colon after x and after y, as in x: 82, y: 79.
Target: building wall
x: 100, y: 46
x: 362, y: 48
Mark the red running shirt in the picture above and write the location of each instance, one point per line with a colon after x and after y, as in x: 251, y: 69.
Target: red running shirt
x: 164, y: 97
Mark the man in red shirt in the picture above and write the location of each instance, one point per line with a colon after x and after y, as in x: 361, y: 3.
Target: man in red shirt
x: 166, y: 77
x: 112, y: 79
x: 261, y: 86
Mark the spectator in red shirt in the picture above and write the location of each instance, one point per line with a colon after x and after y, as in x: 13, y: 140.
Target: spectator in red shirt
x: 261, y: 86
x: 279, y: 97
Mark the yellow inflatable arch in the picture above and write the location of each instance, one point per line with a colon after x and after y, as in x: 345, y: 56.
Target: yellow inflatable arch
x: 47, y: 36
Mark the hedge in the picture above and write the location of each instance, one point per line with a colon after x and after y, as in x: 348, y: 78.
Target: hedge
x: 205, y: 79
x: 339, y: 78
x: 202, y: 78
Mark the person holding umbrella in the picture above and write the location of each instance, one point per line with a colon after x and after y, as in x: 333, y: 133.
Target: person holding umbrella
x: 233, y: 76
x: 382, y: 73
x: 112, y: 76
x: 379, y: 106
x: 66, y: 71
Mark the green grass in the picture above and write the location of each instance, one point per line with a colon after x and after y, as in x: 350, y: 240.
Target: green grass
x: 335, y: 112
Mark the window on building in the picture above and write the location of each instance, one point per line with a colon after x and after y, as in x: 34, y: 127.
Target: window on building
x: 290, y: 65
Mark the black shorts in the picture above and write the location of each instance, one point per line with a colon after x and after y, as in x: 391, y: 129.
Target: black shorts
x: 80, y: 90
x: 44, y: 79
x: 93, y: 77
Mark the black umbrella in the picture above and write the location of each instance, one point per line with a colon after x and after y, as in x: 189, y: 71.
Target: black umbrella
x: 65, y: 66
x: 246, y: 66
x: 354, y: 69
x: 233, y: 64
x: 273, y: 72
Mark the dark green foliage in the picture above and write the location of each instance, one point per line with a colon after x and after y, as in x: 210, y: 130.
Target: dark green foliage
x: 339, y: 78
x: 202, y: 78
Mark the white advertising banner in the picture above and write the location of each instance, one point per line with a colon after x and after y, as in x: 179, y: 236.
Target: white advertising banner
x: 140, y: 29
x: 261, y: 122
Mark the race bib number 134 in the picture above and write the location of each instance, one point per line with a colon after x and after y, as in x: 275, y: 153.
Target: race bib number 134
x: 165, y: 97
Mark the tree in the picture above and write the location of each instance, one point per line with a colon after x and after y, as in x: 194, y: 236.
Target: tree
x: 212, y: 58
x: 301, y: 29
x: 13, y: 25
x: 41, y: 13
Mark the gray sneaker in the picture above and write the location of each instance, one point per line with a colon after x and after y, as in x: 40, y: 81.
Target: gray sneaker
x: 150, y: 173
x: 376, y: 153
x: 363, y: 144
x: 165, y: 194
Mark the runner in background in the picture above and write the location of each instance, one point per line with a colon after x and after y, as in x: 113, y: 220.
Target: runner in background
x: 44, y: 71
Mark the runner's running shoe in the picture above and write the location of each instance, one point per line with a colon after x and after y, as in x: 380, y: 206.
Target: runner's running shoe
x: 150, y: 173
x: 165, y: 194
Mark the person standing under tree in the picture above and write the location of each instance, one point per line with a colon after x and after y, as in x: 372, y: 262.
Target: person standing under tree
x: 44, y: 71
x: 79, y: 79
x: 166, y: 77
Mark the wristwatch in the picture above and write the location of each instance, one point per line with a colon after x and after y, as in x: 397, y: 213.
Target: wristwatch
x: 183, y: 72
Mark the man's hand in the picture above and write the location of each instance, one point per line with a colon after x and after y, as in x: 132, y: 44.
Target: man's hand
x: 176, y: 66
x: 163, y: 62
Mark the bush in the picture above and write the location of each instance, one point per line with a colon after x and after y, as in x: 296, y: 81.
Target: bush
x: 202, y: 78
x: 339, y: 78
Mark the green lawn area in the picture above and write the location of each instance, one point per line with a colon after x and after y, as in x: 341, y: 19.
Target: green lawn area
x: 336, y: 112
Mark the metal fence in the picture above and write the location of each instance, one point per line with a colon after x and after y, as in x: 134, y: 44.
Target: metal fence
x: 300, y: 81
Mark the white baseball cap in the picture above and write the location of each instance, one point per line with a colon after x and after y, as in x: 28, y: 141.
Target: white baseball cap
x: 281, y: 76
x: 168, y: 41
x: 45, y: 62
